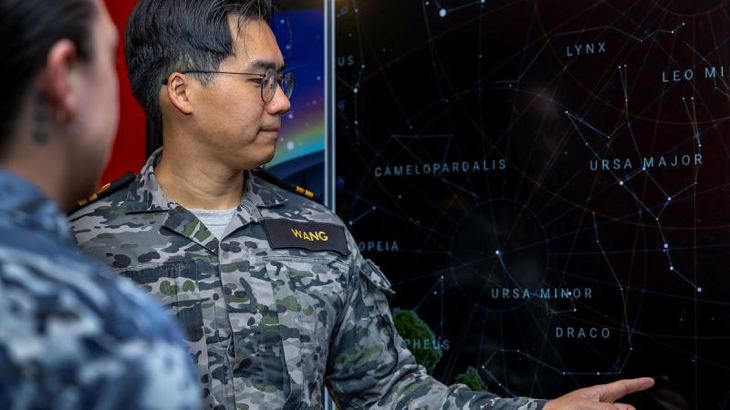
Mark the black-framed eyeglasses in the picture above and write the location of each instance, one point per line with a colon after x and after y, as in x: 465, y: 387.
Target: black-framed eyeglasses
x: 269, y: 81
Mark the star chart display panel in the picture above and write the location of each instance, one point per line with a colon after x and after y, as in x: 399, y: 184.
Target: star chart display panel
x: 299, y: 29
x: 546, y: 185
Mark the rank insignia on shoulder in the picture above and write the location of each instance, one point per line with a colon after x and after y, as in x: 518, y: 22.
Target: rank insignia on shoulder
x: 311, y: 236
x: 273, y: 179
x: 108, y: 189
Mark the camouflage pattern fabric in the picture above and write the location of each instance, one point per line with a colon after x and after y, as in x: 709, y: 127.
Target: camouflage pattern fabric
x: 269, y: 319
x: 73, y: 336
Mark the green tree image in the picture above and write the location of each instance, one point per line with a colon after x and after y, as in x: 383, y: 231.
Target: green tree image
x: 472, y: 379
x: 418, y: 336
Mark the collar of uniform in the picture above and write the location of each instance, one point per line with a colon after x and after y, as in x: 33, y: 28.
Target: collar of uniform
x: 145, y: 194
x: 261, y: 194
x: 255, y: 196
x: 185, y: 223
x: 23, y: 204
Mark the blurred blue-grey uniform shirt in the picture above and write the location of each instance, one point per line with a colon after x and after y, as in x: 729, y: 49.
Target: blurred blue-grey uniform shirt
x: 73, y: 336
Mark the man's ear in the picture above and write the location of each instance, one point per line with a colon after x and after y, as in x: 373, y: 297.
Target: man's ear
x: 178, y: 92
x: 57, y: 82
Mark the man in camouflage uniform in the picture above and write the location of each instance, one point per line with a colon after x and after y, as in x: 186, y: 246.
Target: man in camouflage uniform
x: 277, y: 303
x: 72, y: 335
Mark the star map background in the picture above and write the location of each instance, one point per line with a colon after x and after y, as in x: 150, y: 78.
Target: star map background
x: 299, y: 29
x: 562, y: 146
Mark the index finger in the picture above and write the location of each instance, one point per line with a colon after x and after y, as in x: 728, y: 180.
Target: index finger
x: 614, y: 391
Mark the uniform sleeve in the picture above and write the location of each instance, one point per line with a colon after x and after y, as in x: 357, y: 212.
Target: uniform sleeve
x: 371, y: 367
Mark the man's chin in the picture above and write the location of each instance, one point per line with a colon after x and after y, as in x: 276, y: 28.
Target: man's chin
x: 254, y: 163
x: 268, y: 159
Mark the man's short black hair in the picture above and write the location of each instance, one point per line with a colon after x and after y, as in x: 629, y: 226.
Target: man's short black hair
x: 28, y: 31
x: 165, y: 36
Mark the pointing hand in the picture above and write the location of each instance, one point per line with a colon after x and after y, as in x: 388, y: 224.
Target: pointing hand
x: 600, y: 397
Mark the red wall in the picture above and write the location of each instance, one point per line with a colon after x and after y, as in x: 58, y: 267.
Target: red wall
x: 129, y: 147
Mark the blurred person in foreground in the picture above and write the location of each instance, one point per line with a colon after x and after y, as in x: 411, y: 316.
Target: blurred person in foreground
x: 270, y: 287
x: 72, y: 335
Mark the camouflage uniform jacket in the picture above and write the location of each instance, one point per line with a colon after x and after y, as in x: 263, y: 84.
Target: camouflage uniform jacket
x: 282, y: 305
x: 73, y: 336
